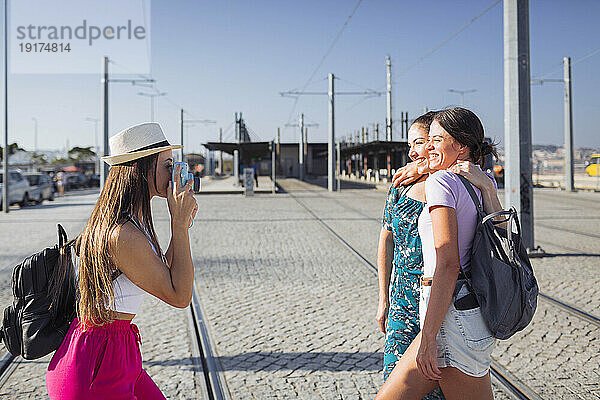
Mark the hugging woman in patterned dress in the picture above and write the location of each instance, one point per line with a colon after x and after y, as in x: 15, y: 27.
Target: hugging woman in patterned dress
x: 399, y: 255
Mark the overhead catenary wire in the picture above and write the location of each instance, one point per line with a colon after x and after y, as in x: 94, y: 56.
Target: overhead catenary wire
x: 329, y: 49
x: 449, y: 38
x: 434, y: 49
x: 559, y: 67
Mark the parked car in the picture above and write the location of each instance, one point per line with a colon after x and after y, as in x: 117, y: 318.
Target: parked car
x: 41, y: 187
x: 94, y: 181
x: 18, y: 191
x: 75, y: 180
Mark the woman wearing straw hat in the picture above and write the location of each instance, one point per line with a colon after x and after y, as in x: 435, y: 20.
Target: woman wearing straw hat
x: 120, y: 261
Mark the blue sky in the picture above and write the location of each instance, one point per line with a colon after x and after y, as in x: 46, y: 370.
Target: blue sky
x: 217, y: 58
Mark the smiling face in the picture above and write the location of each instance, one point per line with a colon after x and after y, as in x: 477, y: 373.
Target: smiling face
x: 417, y: 140
x: 443, y: 150
x: 163, y: 172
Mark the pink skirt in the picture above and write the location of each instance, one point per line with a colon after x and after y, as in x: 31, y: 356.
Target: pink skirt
x: 103, y: 362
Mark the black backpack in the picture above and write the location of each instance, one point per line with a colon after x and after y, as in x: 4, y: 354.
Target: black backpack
x: 44, y: 290
x: 501, y: 275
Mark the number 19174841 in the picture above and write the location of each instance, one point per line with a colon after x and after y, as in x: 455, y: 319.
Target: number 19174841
x: 40, y: 47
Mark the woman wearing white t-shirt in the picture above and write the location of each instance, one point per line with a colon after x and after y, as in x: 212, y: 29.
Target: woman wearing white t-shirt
x: 454, y: 347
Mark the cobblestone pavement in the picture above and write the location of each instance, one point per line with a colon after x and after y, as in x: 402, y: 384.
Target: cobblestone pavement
x: 290, y: 309
x: 558, y: 355
x: 165, y: 342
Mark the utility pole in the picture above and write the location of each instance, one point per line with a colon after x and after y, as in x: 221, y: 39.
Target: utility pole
x: 35, y: 134
x: 569, y: 183
x: 105, y: 81
x: 183, y: 121
x: 339, y: 166
x: 105, y: 149
x: 517, y: 116
x: 302, y: 143
x: 388, y: 121
x: 273, y: 168
x: 5, y: 204
x: 96, y: 148
x: 152, y: 96
x: 221, y: 151
x: 306, y: 143
x: 301, y: 148
x: 181, y: 132
x: 278, y: 151
x: 331, y: 184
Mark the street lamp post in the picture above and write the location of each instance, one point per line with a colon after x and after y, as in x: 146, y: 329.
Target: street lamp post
x: 35, y: 134
x: 152, y: 96
x: 462, y: 94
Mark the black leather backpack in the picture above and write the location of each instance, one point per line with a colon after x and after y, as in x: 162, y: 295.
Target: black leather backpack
x: 44, y: 290
x: 501, y: 275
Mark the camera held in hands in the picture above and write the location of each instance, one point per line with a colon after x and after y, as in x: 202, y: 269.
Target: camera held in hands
x: 183, y: 177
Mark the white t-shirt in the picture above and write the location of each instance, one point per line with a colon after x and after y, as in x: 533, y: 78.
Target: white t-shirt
x: 444, y: 188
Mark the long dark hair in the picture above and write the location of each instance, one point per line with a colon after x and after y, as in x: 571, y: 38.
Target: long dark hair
x: 466, y: 128
x: 425, y: 120
x: 126, y: 192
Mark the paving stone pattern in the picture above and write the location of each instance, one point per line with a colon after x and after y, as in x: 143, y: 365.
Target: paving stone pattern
x: 570, y: 274
x: 166, y: 348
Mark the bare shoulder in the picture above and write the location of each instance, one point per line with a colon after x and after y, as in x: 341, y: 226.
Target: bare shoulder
x: 417, y: 192
x: 128, y: 236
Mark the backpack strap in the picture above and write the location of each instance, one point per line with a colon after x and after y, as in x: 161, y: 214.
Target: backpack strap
x: 478, y: 206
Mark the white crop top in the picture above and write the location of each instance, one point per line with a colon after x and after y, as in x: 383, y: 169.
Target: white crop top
x: 128, y: 296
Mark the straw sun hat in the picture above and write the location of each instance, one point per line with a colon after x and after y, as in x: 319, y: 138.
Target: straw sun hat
x: 136, y: 142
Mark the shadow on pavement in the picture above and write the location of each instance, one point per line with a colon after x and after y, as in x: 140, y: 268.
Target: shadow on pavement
x: 307, y: 361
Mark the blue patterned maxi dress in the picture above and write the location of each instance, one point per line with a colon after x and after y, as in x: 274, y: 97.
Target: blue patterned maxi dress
x: 401, y: 216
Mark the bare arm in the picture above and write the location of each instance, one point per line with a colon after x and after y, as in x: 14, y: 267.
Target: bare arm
x: 134, y: 256
x: 445, y: 233
x: 385, y: 253
x: 406, y: 175
x: 489, y: 194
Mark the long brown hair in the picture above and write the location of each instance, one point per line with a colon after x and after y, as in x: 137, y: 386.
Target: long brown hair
x: 126, y: 193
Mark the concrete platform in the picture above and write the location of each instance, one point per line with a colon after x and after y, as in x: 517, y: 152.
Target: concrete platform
x: 226, y: 185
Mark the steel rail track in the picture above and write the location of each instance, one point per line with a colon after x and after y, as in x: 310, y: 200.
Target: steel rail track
x: 212, y: 383
x: 588, y: 317
x: 503, y: 377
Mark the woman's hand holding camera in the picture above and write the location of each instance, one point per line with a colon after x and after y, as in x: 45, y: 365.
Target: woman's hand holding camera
x: 181, y: 202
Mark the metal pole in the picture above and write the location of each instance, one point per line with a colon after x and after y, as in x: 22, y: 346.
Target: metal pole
x: 331, y: 186
x: 181, y: 132
x: 5, y: 204
x: 277, y: 150
x: 388, y: 122
x: 221, y: 151
x: 569, y: 182
x: 273, y: 163
x: 105, y: 168
x: 35, y: 134
x: 301, y: 149
x: 97, y: 148
x: 236, y: 167
x: 151, y: 108
x: 339, y: 167
x: 517, y: 115
x: 306, y: 163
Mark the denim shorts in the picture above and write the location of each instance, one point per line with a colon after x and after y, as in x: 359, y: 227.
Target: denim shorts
x: 464, y: 340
